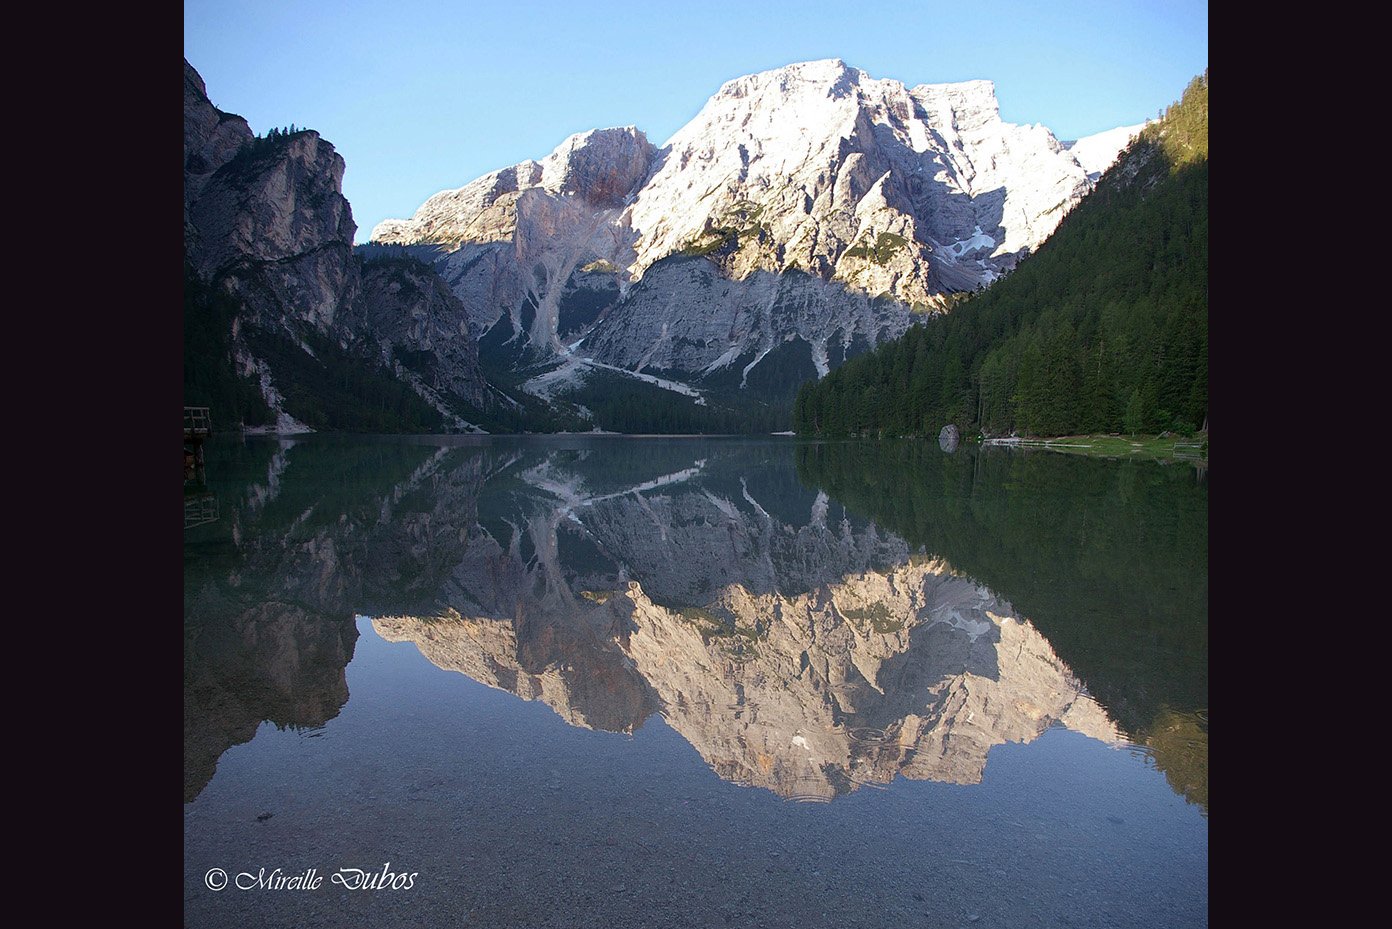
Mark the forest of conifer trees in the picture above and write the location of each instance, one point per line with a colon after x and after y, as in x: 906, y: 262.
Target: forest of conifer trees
x: 1104, y: 329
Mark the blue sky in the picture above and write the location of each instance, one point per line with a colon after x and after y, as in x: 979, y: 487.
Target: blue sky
x: 420, y: 96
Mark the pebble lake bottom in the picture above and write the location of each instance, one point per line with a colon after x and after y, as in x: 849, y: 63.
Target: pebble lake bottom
x: 508, y: 816
x: 422, y: 797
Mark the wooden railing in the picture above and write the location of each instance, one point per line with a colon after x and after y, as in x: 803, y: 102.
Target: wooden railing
x: 197, y: 422
x: 199, y: 510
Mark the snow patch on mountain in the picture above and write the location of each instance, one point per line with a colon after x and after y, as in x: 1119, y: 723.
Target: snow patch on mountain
x: 1097, y: 153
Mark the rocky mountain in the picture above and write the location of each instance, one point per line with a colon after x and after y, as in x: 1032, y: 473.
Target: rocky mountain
x: 804, y: 215
x: 777, y: 605
x: 800, y: 652
x: 271, y: 281
x: 806, y: 657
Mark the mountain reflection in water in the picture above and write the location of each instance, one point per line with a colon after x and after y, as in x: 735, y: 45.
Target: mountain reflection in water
x: 797, y: 645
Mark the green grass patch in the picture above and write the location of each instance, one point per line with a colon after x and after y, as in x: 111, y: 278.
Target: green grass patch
x: 715, y: 624
x: 740, y: 222
x: 886, y: 245
x: 438, y: 620
x: 878, y: 616
x: 1162, y: 447
x: 703, y: 617
x: 707, y: 243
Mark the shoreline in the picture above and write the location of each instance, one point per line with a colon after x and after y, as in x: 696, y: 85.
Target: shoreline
x: 1176, y: 448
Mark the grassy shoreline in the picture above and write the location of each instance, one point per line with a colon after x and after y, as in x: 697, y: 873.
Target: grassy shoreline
x: 1173, y: 447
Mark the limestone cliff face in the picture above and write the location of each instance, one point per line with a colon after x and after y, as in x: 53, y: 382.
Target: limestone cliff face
x: 519, y: 234
x: 274, y: 202
x: 270, y: 217
x: 602, y: 168
x: 211, y: 138
x: 867, y: 186
x: 265, y: 221
x: 885, y: 188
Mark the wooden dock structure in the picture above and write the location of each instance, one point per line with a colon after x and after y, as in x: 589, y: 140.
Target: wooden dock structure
x: 200, y: 506
x: 197, y: 423
x: 198, y: 426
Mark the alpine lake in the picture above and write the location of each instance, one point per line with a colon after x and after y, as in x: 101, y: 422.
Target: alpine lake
x: 604, y: 681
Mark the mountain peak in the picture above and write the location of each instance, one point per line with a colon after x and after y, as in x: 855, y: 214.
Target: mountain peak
x: 830, y: 71
x: 913, y: 193
x: 861, y: 183
x: 604, y: 166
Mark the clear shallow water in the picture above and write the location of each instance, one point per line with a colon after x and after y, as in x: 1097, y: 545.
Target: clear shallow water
x: 695, y: 655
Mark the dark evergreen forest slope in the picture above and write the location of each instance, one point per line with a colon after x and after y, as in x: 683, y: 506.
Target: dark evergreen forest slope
x: 1103, y: 329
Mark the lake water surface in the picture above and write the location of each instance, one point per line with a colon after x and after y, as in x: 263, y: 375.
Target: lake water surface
x: 616, y: 682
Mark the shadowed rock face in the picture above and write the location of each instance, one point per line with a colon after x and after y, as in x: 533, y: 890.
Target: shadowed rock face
x: 685, y: 316
x: 413, y: 314
x: 802, y: 655
x: 268, y: 218
x: 265, y: 221
x: 211, y: 138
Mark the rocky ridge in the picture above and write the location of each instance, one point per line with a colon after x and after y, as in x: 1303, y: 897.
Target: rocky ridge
x: 268, y: 218
x: 802, y: 217
x: 266, y: 224
x: 869, y: 188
